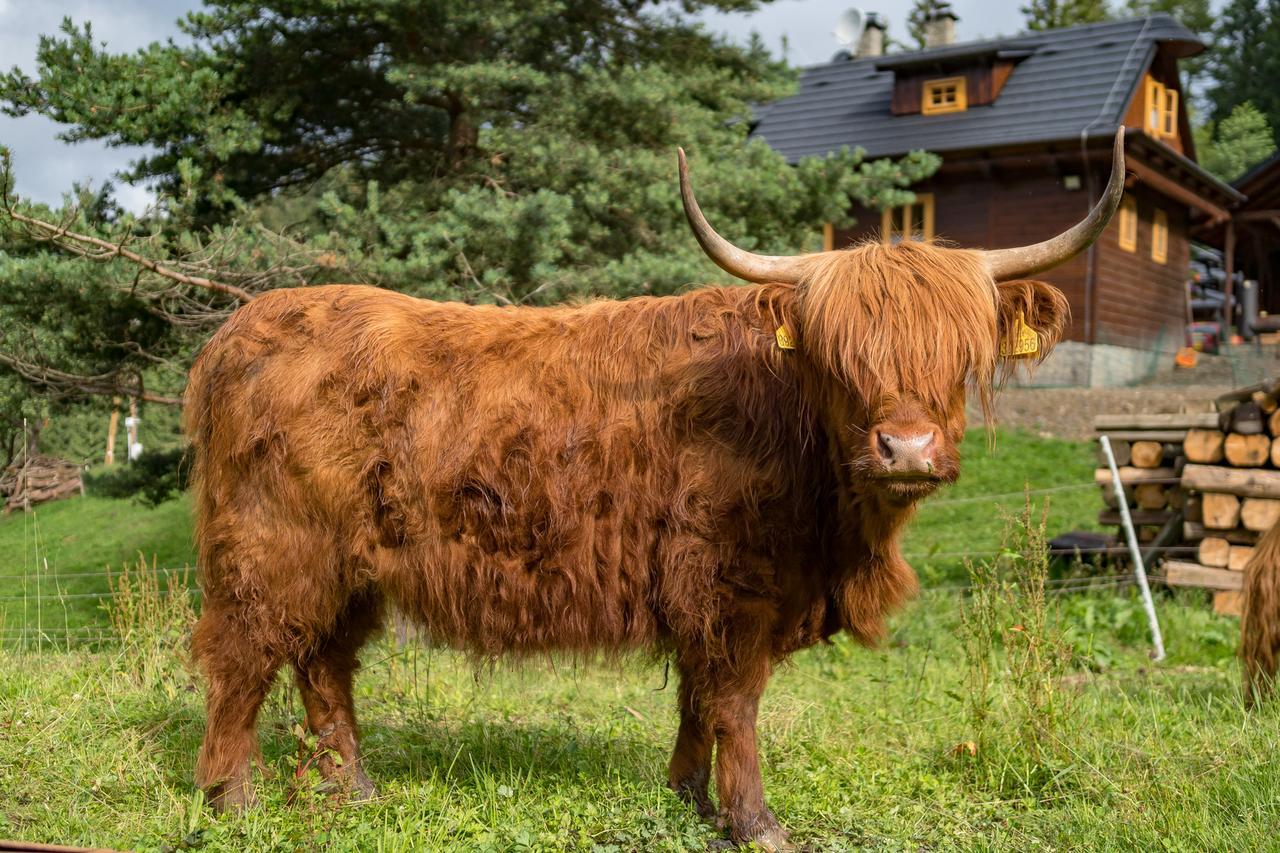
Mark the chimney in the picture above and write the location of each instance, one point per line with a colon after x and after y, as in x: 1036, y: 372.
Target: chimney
x: 940, y: 26
x: 872, y: 41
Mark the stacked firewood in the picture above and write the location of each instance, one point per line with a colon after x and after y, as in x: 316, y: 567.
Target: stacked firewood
x: 1232, y: 479
x: 1149, y: 454
x: 36, y: 479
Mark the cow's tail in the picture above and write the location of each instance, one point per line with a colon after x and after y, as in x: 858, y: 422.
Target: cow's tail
x: 1260, y: 622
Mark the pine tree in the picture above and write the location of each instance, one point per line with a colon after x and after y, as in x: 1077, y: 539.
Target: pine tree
x: 1236, y: 144
x: 1245, y: 60
x: 1053, y: 14
x: 511, y: 152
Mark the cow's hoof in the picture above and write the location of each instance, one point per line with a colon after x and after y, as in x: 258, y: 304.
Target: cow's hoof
x: 230, y: 797
x: 762, y: 830
x: 693, y: 791
x: 348, y: 787
x: 362, y: 789
x: 775, y: 840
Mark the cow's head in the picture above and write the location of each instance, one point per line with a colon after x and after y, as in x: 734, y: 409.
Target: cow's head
x: 899, y: 334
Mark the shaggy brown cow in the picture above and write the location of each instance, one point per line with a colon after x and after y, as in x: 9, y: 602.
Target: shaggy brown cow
x: 1260, y: 619
x: 664, y: 473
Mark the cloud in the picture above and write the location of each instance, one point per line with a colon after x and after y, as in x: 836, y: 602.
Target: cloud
x: 45, y: 167
x: 807, y: 25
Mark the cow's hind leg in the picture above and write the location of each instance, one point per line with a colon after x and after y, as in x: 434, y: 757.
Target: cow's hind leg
x: 324, y: 678
x: 239, y: 669
x: 690, y: 770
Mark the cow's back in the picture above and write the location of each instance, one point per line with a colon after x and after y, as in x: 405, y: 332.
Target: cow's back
x: 520, y: 479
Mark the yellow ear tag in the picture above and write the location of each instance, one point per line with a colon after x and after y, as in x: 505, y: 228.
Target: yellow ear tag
x: 1025, y: 342
x: 785, y: 341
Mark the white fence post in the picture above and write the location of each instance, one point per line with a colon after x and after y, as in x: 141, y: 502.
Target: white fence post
x: 1139, y: 571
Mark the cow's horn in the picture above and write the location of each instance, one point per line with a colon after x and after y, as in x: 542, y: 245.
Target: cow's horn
x: 731, y: 259
x: 1008, y: 264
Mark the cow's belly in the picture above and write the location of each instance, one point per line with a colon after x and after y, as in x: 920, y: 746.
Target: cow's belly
x: 468, y: 593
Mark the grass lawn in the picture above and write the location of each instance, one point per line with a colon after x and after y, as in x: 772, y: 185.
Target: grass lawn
x: 862, y: 749
x: 54, y: 561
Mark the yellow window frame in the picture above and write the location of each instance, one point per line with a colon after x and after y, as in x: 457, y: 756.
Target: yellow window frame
x: 959, y: 102
x: 888, y: 233
x: 1169, y: 114
x: 1160, y: 109
x: 1159, y: 237
x: 1128, y: 224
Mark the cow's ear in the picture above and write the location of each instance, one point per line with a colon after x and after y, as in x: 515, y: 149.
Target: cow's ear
x: 1032, y: 305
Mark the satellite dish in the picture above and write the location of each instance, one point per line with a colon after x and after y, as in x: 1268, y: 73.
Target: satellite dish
x: 849, y: 29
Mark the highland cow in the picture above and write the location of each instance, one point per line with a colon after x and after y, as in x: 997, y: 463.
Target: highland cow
x: 722, y: 475
x: 1260, y: 619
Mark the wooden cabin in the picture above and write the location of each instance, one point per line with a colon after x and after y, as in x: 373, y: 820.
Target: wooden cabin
x: 1024, y: 126
x: 1250, y: 239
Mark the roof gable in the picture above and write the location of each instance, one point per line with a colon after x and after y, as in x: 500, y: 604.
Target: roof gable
x: 1067, y: 83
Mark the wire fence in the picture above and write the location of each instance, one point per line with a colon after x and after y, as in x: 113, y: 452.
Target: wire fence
x: 36, y: 607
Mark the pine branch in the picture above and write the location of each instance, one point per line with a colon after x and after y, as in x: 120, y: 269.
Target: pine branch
x: 103, y: 384
x: 84, y: 244
x: 56, y: 234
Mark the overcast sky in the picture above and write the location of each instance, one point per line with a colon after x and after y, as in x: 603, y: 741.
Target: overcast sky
x: 46, y: 168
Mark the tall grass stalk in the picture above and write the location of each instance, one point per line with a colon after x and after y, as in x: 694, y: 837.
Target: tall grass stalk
x: 151, y: 617
x: 1015, y: 656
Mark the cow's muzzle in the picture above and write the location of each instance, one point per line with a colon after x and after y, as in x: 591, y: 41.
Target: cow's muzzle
x: 906, y: 455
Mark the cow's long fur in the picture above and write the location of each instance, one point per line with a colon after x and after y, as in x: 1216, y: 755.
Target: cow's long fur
x: 649, y: 473
x: 1260, y: 622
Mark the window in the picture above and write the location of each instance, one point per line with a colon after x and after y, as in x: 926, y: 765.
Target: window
x: 909, y: 222
x: 1129, y: 224
x: 944, y: 96
x: 1161, y: 110
x: 1159, y: 237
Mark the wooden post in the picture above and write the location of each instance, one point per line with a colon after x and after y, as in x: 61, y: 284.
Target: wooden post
x: 1228, y: 262
x: 113, y: 426
x: 1245, y: 482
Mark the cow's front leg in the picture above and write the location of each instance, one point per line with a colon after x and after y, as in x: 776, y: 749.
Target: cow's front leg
x: 690, y: 769
x: 742, y: 808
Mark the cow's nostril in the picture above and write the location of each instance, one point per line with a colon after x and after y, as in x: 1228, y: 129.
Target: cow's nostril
x: 885, y: 446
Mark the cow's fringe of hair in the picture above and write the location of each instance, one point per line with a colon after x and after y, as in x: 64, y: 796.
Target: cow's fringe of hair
x: 1260, y: 623
x: 893, y: 295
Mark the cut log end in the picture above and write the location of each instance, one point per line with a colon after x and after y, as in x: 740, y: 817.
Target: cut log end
x: 1247, y: 451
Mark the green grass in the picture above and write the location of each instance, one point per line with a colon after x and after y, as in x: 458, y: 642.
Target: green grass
x: 97, y: 745
x: 54, y: 560
x: 964, y: 520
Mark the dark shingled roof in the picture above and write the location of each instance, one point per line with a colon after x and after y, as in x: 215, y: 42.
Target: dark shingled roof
x: 1072, y: 81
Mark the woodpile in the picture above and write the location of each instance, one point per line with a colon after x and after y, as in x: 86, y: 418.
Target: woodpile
x: 1231, y: 486
x: 1150, y: 455
x: 37, y: 479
